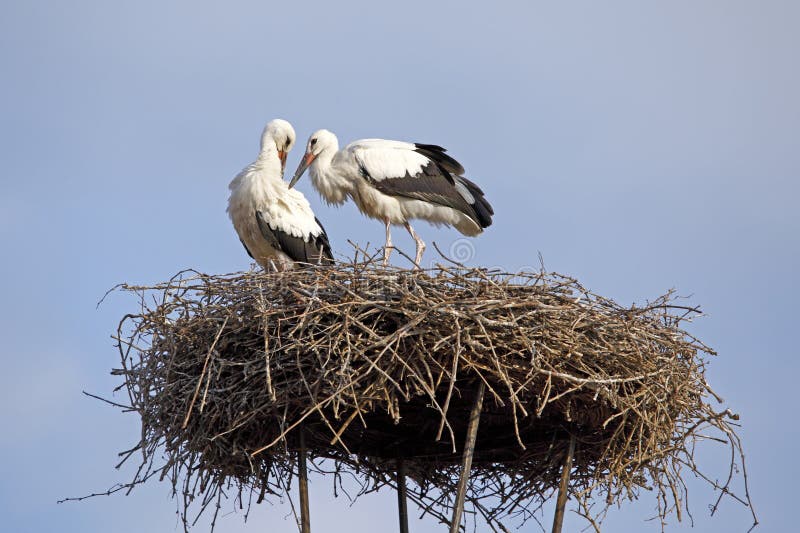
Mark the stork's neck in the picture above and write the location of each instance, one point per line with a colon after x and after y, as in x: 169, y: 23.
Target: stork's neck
x: 266, y: 168
x: 268, y: 160
x: 331, y: 184
x: 323, y: 160
x: 268, y: 151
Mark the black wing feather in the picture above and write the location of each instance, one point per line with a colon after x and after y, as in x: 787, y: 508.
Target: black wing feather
x: 437, y: 154
x: 436, y: 183
x: 246, y: 249
x: 315, y: 250
x: 324, y: 244
x: 436, y: 188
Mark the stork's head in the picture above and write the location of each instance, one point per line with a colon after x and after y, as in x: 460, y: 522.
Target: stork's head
x: 278, y: 133
x: 319, y: 142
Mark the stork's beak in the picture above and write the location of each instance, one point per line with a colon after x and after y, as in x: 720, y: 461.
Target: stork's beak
x: 307, y: 160
x: 282, y: 156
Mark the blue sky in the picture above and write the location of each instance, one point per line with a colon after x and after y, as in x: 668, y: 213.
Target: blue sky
x: 639, y: 146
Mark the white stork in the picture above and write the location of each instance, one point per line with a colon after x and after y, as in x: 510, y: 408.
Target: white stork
x: 275, y: 223
x: 395, y: 181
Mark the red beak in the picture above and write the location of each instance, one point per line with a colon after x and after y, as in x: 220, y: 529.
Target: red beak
x: 307, y: 160
x: 282, y: 156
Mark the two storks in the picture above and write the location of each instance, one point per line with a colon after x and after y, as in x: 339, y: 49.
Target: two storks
x: 391, y: 181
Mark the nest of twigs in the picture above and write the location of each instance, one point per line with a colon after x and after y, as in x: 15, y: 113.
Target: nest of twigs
x: 377, y: 365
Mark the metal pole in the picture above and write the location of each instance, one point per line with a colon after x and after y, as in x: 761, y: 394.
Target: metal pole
x: 469, y: 451
x: 402, y: 501
x: 561, y: 501
x: 305, y: 515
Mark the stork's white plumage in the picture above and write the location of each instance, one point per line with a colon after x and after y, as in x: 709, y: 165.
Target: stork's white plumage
x: 275, y: 223
x: 396, y: 181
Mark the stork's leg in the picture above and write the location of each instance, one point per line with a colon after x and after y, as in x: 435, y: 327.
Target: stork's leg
x: 387, y: 248
x: 420, y: 244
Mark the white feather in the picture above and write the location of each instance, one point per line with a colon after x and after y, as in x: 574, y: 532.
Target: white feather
x: 387, y: 159
x: 260, y: 187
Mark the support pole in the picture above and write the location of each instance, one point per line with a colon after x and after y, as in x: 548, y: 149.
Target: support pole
x: 402, y: 498
x: 469, y: 451
x: 561, y: 501
x: 305, y: 518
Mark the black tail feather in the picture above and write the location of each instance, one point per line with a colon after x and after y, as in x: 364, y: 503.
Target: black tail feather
x: 325, y: 255
x: 483, y: 209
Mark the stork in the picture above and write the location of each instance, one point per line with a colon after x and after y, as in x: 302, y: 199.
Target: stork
x: 275, y: 223
x: 394, y: 182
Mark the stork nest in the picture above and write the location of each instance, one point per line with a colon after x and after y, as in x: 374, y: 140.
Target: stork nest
x: 377, y: 367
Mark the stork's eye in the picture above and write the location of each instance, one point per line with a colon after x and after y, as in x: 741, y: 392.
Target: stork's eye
x: 313, y: 142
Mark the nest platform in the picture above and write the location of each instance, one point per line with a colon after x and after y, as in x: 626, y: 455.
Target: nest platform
x: 379, y: 366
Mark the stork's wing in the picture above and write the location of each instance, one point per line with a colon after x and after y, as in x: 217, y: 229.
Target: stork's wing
x: 314, y: 249
x: 423, y: 172
x: 324, y: 245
